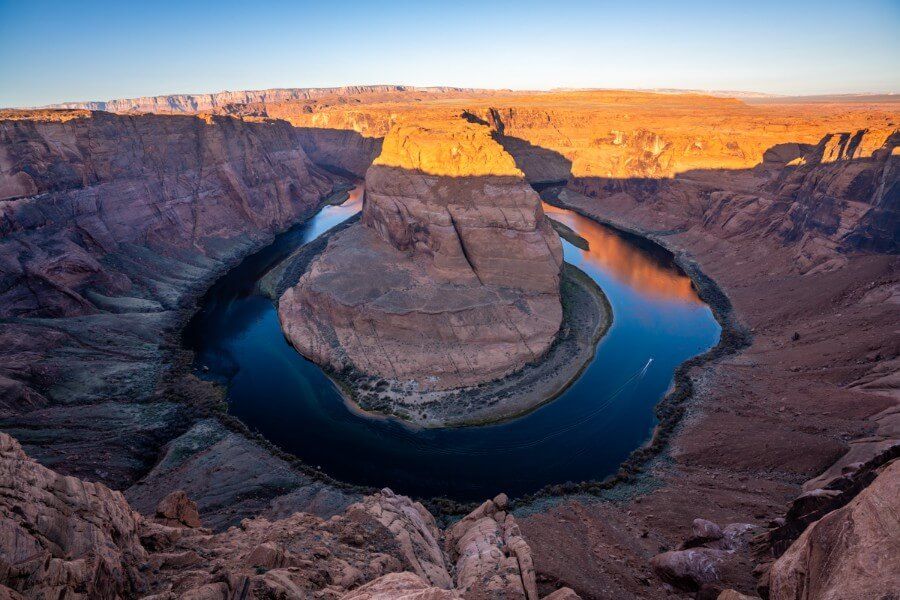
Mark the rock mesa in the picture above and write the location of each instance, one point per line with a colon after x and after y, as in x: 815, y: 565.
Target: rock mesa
x: 467, y: 264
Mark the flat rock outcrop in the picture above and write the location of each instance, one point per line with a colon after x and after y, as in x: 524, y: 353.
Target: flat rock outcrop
x: 468, y: 268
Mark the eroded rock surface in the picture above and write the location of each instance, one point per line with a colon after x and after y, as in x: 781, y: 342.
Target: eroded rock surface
x: 850, y: 553
x: 231, y: 478
x: 492, y: 558
x: 400, y: 586
x: 177, y: 510
x: 414, y: 529
x: 110, y: 227
x: 705, y: 557
x: 59, y: 533
x: 63, y: 537
x: 467, y: 284
x: 705, y: 173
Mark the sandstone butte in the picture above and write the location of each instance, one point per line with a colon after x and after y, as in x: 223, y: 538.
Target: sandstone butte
x: 467, y: 264
x: 111, y: 226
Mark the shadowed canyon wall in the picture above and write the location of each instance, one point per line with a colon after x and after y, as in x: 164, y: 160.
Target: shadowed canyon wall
x: 110, y: 227
x: 774, y: 165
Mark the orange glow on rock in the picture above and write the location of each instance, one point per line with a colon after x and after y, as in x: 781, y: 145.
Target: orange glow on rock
x: 624, y: 261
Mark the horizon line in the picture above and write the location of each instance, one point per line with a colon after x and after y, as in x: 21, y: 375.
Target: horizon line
x: 658, y: 90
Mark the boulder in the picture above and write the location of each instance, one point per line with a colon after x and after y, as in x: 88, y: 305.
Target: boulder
x: 734, y: 595
x: 563, y: 594
x: 702, y: 532
x: 688, y: 569
x: 177, y: 510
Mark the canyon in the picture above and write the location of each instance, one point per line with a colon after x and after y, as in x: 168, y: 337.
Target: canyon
x: 469, y: 264
x: 114, y: 225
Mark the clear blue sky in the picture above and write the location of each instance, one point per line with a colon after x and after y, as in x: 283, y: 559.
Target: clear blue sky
x: 87, y: 50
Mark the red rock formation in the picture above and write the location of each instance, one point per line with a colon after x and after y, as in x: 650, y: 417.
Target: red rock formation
x: 468, y: 284
x: 177, y: 510
x: 851, y: 553
x: 82, y: 187
x: 492, y: 558
x: 780, y: 412
x: 400, y: 586
x: 112, y: 226
x: 452, y: 193
x: 635, y: 149
x: 59, y: 534
x: 414, y: 529
x: 340, y: 150
x: 67, y: 538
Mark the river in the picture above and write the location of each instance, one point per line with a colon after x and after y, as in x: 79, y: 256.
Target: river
x: 659, y: 322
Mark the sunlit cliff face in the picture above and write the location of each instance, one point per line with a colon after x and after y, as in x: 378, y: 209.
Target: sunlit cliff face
x: 451, y: 148
x: 626, y: 262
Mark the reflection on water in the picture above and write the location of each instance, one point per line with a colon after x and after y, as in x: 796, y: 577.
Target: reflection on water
x: 645, y: 267
x: 351, y: 206
x: 659, y: 322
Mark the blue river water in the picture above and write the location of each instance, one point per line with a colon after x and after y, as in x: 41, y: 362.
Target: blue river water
x: 659, y: 322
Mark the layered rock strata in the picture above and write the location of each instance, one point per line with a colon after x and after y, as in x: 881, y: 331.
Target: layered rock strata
x: 821, y: 358
x: 632, y: 150
x: 452, y: 277
x: 110, y: 228
x: 191, y: 103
